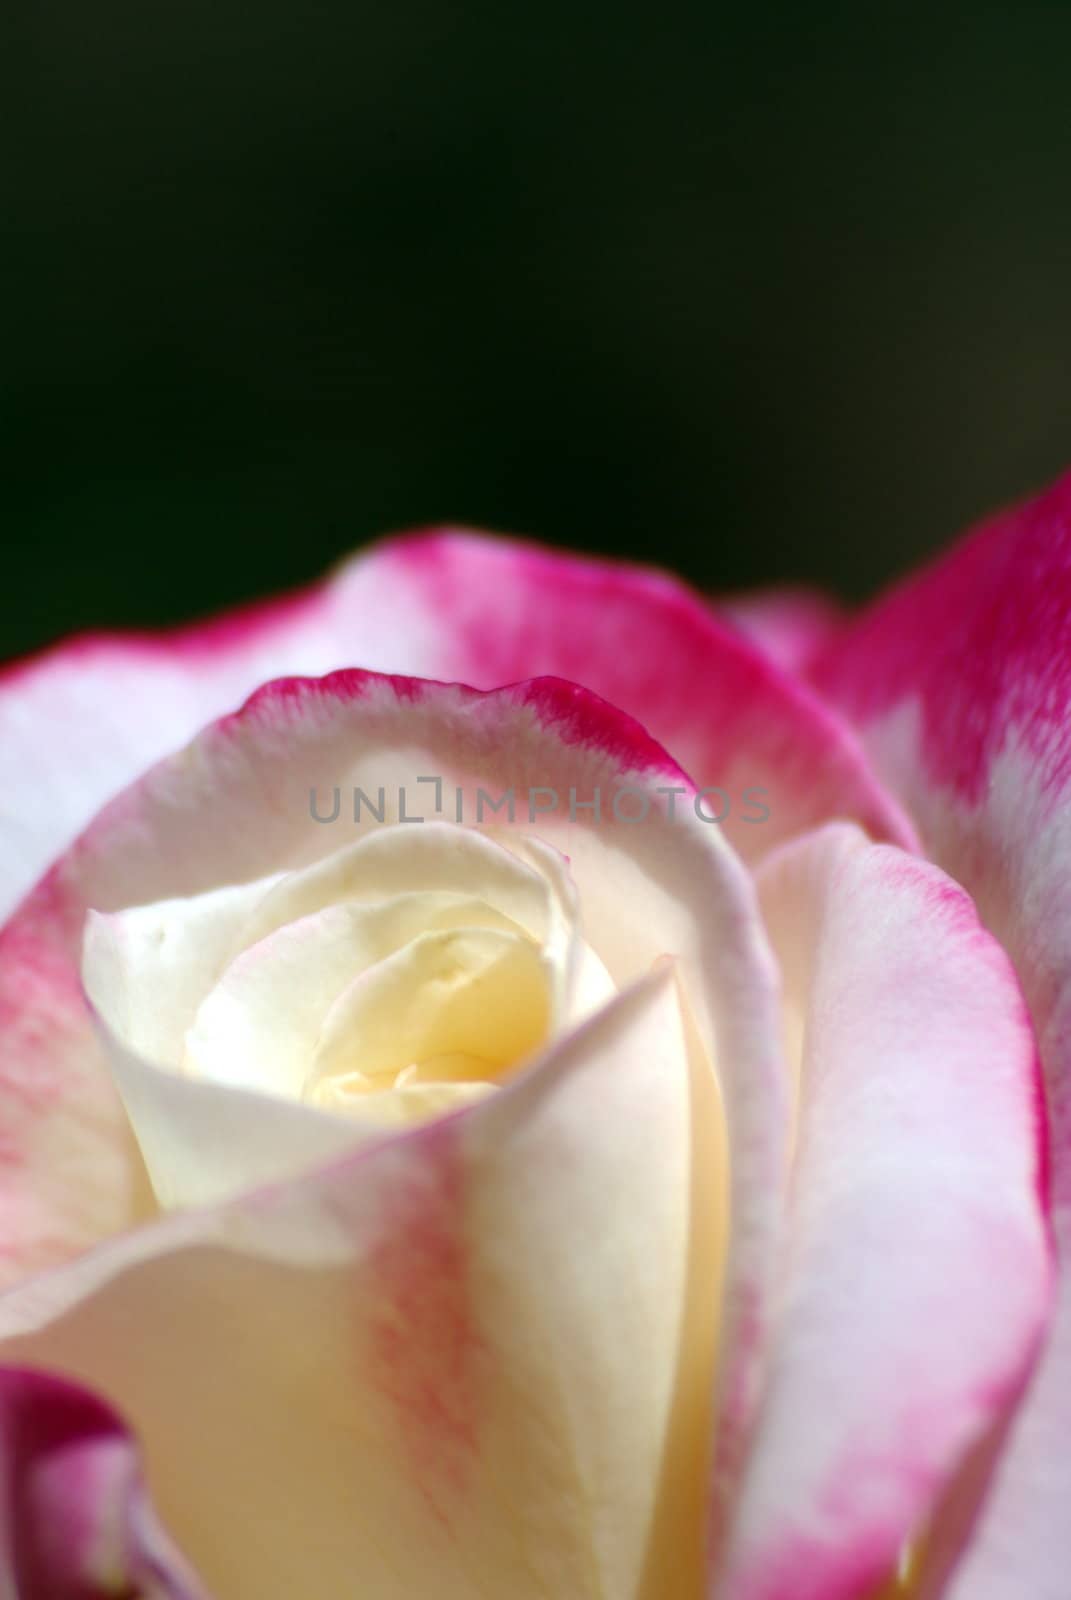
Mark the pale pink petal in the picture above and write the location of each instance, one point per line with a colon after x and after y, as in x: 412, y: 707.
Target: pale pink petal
x: 75, y: 1519
x: 79, y: 722
x: 960, y: 681
x: 491, y: 611
x: 916, y: 1269
x: 792, y: 625
x: 475, y: 1360
x: 235, y: 806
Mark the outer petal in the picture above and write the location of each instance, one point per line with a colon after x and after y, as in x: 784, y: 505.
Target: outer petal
x: 75, y: 1521
x: 961, y: 683
x: 916, y: 1271
x: 81, y: 721
x: 235, y: 805
x: 792, y: 625
x: 472, y: 1361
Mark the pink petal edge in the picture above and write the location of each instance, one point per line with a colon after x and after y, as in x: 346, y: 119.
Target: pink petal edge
x: 75, y: 1519
x: 960, y: 683
x: 917, y: 1266
x: 81, y: 720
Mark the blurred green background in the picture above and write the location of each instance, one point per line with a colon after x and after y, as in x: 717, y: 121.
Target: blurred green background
x: 761, y: 292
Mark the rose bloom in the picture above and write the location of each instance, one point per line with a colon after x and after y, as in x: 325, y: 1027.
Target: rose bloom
x: 520, y: 1084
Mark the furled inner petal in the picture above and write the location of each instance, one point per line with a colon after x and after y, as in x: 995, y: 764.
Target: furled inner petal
x: 402, y: 1105
x: 469, y: 1002
x: 390, y: 982
x: 394, y: 860
x: 148, y: 968
x: 259, y: 1026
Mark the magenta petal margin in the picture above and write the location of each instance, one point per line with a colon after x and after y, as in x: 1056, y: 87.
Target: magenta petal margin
x: 75, y: 1517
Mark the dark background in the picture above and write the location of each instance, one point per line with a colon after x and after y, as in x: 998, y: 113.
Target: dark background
x: 761, y: 292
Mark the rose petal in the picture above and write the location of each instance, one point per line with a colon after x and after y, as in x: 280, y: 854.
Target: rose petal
x: 204, y: 1142
x: 961, y: 683
x: 79, y: 722
x: 491, y: 611
x: 476, y: 992
x: 916, y: 1272
x: 792, y: 625
x: 159, y: 980
x: 150, y: 967
x: 308, y: 1003
x: 390, y: 862
x: 477, y: 1357
x: 666, y: 885
x: 75, y: 1521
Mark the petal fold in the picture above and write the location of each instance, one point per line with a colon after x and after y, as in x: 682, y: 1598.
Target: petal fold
x: 75, y: 1520
x: 960, y: 683
x: 916, y: 1270
x: 82, y: 720
x: 666, y: 886
x: 475, y: 1358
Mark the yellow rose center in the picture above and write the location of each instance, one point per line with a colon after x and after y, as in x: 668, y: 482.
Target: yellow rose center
x: 402, y: 977
x: 433, y: 1026
x: 389, y: 983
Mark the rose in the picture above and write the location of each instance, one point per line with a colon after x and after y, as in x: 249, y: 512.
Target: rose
x: 682, y: 1294
x: 576, y: 1205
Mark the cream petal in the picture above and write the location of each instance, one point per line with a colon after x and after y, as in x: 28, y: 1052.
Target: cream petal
x: 668, y: 885
x: 422, y: 1366
x: 259, y: 1026
x: 481, y: 992
x: 916, y: 1272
